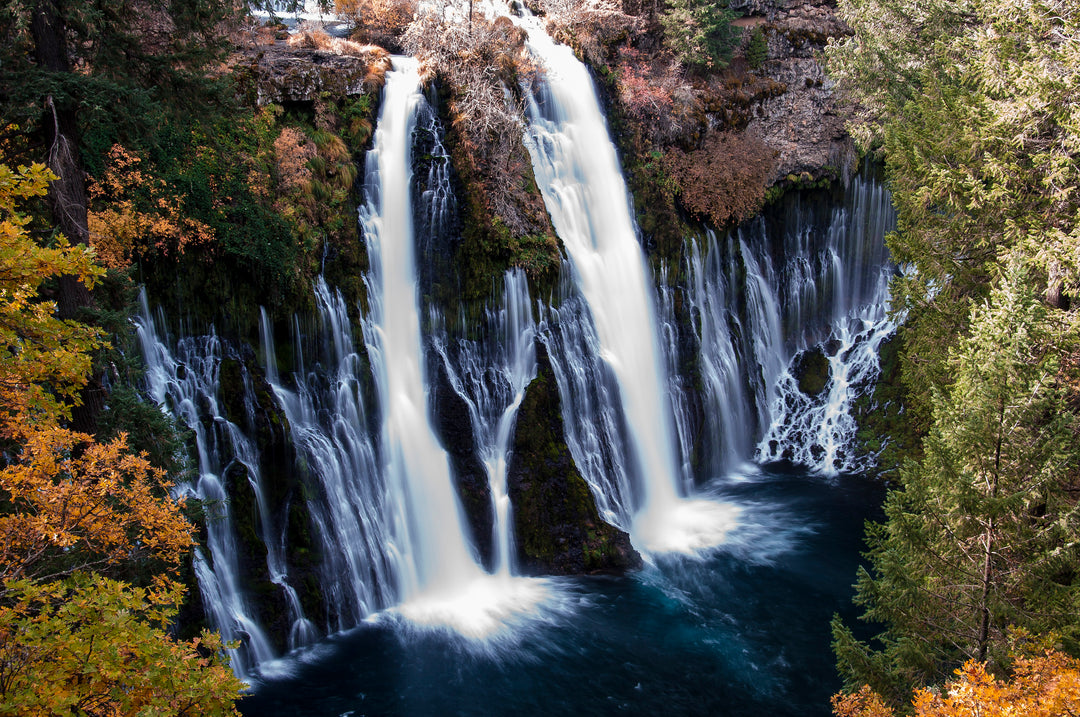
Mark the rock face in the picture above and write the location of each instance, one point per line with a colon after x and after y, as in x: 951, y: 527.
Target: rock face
x: 557, y: 528
x: 804, y: 124
x: 294, y: 74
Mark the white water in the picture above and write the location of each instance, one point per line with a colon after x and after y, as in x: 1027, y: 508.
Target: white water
x: 187, y: 386
x: 429, y: 526
x: 835, y: 297
x: 440, y: 581
x: 382, y: 502
x: 491, y: 376
x: 336, y: 459
x: 578, y: 172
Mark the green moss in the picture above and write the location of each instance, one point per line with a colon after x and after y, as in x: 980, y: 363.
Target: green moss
x: 557, y: 526
x: 812, y: 371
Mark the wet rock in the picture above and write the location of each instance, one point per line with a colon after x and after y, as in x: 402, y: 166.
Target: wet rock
x: 557, y: 528
x: 811, y: 370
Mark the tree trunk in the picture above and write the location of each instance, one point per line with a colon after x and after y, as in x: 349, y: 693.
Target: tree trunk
x: 67, y: 195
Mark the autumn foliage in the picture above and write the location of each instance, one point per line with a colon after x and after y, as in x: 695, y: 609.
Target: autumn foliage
x: 90, y: 541
x: 1042, y: 686
x: 725, y: 179
x: 133, y: 213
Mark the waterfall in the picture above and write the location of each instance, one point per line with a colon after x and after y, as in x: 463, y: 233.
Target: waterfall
x: 187, y: 385
x: 336, y: 459
x: 439, y: 581
x: 592, y: 417
x: 491, y: 376
x: 429, y: 526
x: 578, y: 172
x: 764, y: 301
x: 836, y: 304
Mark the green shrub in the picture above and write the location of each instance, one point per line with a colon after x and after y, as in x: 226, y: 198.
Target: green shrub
x: 757, y: 50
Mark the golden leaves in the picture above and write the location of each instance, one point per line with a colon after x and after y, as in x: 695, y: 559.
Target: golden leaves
x: 1046, y: 685
x: 134, y: 214
x: 72, y: 641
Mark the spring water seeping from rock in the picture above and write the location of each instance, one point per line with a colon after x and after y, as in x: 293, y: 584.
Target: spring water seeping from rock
x: 186, y: 384
x: 491, y: 375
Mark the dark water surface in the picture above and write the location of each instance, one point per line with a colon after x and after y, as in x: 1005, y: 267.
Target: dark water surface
x: 743, y: 630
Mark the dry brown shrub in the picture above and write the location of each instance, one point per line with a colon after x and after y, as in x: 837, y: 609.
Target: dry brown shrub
x: 724, y: 180
x: 293, y: 150
x: 654, y: 93
x: 312, y: 36
x: 482, y: 64
x: 377, y: 17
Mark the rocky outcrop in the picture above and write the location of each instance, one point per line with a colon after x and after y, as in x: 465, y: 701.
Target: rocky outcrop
x: 805, y: 124
x: 557, y: 528
x: 280, y: 73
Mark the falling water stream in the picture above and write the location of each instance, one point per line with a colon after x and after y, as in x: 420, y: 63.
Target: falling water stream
x: 579, y: 175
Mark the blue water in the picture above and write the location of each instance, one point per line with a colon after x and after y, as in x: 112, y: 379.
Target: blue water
x: 743, y: 630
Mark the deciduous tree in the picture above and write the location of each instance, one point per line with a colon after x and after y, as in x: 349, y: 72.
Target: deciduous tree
x: 82, y: 524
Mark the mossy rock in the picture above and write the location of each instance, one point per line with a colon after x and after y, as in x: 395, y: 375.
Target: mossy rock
x: 811, y: 370
x: 557, y: 528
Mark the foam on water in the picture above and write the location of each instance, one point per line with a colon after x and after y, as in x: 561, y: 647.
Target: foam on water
x: 489, y: 611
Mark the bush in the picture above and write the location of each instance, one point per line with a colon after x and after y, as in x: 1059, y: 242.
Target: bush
x: 725, y: 179
x: 757, y: 50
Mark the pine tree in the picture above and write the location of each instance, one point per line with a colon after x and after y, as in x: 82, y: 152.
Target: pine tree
x: 983, y: 532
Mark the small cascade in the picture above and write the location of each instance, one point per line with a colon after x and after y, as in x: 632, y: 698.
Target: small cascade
x: 766, y: 307
x: 491, y: 375
x: 678, y: 391
x: 724, y: 359
x: 186, y: 385
x: 328, y: 429
x: 837, y: 309
x: 595, y: 430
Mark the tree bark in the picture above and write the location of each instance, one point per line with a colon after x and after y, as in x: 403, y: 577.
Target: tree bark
x: 67, y: 195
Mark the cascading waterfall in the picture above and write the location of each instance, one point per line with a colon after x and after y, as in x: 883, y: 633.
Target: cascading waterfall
x: 491, y: 376
x: 844, y: 283
x: 429, y: 526
x: 187, y: 386
x: 439, y: 579
x: 328, y: 429
x: 761, y: 303
x: 724, y: 363
x: 578, y: 172
x: 595, y: 430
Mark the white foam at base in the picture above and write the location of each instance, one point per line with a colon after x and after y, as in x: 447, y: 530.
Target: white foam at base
x: 485, y: 609
x: 686, y: 526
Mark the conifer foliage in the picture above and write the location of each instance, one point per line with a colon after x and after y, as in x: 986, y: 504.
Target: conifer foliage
x: 975, y: 105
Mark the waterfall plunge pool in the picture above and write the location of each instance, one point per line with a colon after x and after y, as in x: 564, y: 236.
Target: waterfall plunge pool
x: 740, y: 630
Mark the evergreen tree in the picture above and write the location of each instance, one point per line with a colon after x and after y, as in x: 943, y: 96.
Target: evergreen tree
x: 983, y: 533
x: 700, y: 33
x: 973, y: 104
